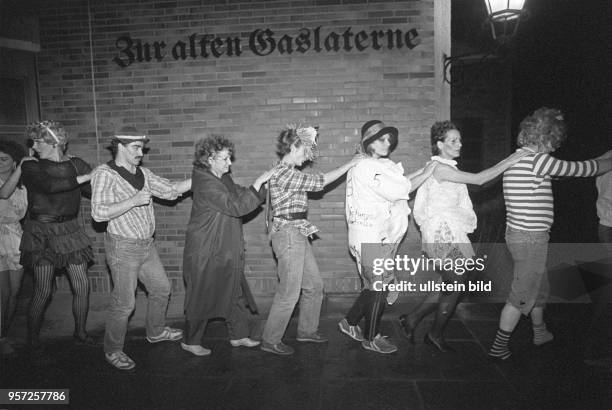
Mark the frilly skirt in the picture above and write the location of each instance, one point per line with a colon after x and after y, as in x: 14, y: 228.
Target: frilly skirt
x: 54, y: 243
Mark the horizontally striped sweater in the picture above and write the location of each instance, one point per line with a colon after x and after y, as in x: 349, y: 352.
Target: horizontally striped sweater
x: 528, y: 189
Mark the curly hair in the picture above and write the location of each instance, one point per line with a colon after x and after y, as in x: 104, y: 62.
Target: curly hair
x: 286, y: 138
x: 544, y: 128
x: 52, y: 132
x: 207, y: 147
x: 438, y: 133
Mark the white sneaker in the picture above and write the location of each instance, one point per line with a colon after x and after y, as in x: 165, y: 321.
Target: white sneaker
x: 196, y: 349
x: 352, y: 331
x: 169, y: 333
x: 246, y: 342
x: 120, y: 360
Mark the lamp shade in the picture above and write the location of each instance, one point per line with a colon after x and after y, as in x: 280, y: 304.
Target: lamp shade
x: 499, y: 10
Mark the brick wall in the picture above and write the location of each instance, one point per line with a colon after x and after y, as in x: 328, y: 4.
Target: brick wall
x: 248, y: 98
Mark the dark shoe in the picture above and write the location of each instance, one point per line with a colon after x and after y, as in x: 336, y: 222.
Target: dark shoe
x: 280, y: 348
x: 500, y: 359
x: 5, y: 347
x: 605, y: 363
x: 86, y: 340
x: 439, y: 343
x: 380, y: 344
x: 34, y: 346
x: 407, y: 329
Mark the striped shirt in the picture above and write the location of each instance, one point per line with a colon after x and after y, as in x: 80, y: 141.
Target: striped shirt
x: 528, y: 189
x: 108, y: 187
x: 288, y: 190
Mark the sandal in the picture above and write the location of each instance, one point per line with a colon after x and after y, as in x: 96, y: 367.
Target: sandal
x: 87, y: 340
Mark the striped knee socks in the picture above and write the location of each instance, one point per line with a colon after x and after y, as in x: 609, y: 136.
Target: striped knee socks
x: 500, y: 349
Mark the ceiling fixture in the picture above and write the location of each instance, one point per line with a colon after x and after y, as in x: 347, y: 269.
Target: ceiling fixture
x: 503, y: 18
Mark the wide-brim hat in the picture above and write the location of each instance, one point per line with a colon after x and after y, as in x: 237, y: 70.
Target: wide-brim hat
x: 373, y: 130
x: 129, y: 134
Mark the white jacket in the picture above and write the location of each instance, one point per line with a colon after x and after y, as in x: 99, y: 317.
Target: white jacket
x: 376, y: 208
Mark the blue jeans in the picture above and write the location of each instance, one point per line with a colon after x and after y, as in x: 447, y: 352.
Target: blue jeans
x: 297, y: 269
x: 529, y: 250
x: 131, y: 260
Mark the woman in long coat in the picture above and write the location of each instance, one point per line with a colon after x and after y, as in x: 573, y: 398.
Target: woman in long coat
x: 213, y: 259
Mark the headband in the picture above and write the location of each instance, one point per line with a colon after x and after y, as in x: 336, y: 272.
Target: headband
x: 131, y: 137
x: 308, y: 137
x: 51, y: 133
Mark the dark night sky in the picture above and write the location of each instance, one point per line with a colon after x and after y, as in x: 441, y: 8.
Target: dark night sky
x: 561, y: 57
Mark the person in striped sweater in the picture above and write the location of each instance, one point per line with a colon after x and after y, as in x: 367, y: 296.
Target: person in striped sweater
x: 444, y: 212
x: 529, y: 216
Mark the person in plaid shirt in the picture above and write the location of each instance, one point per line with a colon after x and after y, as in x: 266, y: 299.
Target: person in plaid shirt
x: 121, y: 195
x: 290, y: 235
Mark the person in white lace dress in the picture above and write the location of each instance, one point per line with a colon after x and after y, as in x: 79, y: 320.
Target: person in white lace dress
x: 13, y: 206
x: 444, y: 212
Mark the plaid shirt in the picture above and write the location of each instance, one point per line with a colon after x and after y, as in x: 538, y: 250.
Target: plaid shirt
x: 108, y: 187
x: 288, y: 188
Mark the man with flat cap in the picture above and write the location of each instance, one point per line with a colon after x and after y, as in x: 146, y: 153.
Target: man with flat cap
x: 121, y: 195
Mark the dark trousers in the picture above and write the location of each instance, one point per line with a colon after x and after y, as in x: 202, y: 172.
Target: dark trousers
x: 371, y: 305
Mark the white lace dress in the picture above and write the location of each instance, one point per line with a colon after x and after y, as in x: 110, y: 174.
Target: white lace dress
x: 12, y: 210
x: 445, y: 215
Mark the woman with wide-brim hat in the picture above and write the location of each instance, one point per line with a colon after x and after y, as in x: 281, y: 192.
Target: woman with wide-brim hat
x: 377, y: 215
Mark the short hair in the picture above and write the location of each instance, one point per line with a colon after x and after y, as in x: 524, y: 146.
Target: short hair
x: 545, y: 126
x: 52, y: 132
x: 287, y: 137
x: 114, y: 147
x: 13, y: 149
x: 207, y: 147
x: 438, y: 133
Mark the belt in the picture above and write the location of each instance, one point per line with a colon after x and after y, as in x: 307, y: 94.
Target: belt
x: 292, y: 216
x: 45, y: 218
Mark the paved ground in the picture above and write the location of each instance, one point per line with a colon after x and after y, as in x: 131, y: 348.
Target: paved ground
x: 334, y: 375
